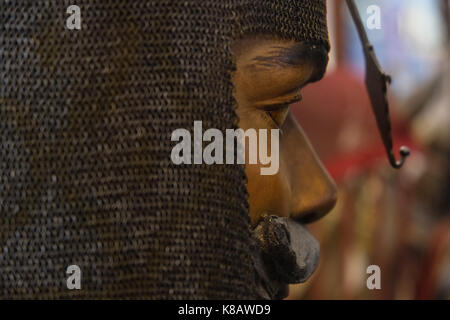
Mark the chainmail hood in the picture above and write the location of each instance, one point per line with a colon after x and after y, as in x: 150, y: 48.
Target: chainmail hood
x: 86, y: 118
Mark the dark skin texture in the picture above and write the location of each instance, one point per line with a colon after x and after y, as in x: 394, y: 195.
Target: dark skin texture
x: 269, y: 77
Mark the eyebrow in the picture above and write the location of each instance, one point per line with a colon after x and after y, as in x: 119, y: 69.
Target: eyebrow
x: 295, y: 56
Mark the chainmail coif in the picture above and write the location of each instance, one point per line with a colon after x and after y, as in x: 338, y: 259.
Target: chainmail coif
x: 86, y: 118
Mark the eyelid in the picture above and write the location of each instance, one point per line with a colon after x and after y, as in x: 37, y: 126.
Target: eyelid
x: 278, y: 106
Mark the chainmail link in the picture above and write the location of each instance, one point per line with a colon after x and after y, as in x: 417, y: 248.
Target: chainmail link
x: 301, y: 20
x: 86, y: 118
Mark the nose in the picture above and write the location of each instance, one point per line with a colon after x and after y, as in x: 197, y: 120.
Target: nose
x: 313, y: 191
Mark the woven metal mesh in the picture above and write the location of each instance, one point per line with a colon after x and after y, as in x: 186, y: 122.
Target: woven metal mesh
x: 85, y: 123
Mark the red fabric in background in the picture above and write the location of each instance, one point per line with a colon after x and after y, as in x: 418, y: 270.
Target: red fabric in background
x: 337, y: 117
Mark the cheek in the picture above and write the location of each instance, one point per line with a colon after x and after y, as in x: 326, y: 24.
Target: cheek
x: 267, y: 194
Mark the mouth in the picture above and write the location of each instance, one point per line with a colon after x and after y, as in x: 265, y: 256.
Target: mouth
x: 284, y: 252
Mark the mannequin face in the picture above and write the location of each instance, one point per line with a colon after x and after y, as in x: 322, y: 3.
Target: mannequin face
x: 269, y: 77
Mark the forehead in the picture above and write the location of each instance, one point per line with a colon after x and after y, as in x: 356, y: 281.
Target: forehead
x: 264, y: 54
x: 273, y: 68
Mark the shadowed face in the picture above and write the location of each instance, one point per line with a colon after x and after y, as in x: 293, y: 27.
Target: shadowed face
x: 269, y: 77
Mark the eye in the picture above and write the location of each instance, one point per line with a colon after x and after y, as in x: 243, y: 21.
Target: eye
x: 278, y: 114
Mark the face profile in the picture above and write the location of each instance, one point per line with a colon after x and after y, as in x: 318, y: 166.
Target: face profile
x: 269, y: 77
x: 270, y: 74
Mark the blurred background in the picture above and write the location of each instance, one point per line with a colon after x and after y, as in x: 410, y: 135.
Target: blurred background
x: 396, y: 219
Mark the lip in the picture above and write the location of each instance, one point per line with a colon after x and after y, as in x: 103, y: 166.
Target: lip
x: 306, y: 248
x: 289, y: 254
